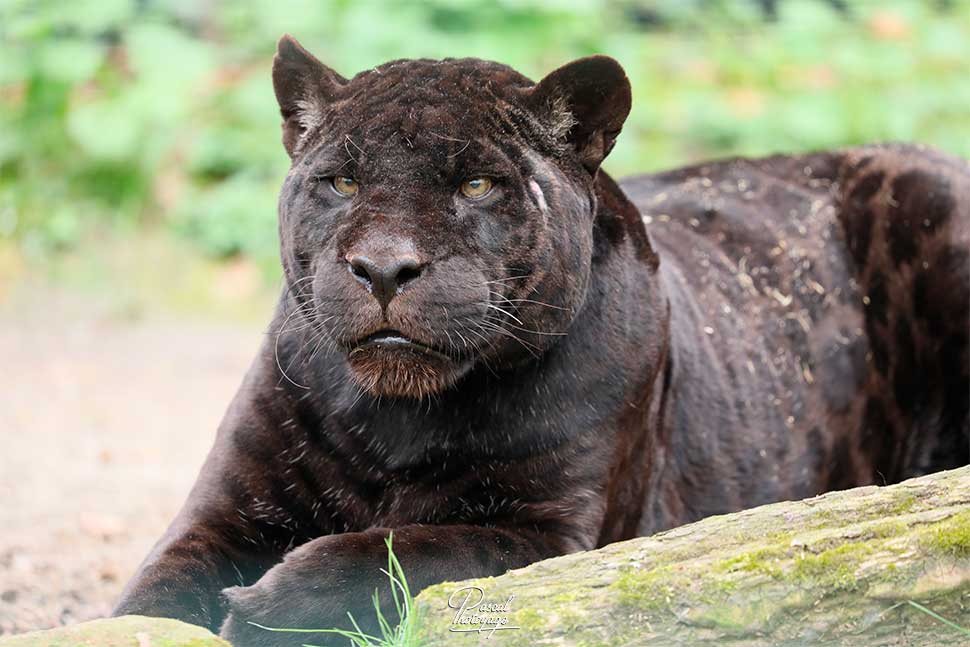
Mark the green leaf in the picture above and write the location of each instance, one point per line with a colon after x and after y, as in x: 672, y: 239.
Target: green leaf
x: 69, y: 60
x: 105, y: 129
x: 166, y: 58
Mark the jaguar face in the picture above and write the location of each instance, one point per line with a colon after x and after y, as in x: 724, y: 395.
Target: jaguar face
x: 438, y: 215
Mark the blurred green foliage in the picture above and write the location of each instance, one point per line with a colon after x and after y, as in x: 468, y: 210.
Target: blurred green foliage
x: 132, y: 113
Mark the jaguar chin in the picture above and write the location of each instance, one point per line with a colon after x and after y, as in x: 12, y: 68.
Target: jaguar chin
x: 390, y: 364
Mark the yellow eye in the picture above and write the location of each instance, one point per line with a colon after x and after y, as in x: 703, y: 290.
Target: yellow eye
x: 345, y: 186
x: 475, y: 188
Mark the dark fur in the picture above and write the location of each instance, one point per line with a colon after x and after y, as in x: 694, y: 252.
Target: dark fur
x: 791, y: 325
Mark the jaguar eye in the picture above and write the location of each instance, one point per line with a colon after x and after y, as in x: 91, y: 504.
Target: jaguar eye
x: 345, y: 186
x: 475, y: 188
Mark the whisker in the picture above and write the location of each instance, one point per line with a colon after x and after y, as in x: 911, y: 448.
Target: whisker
x: 461, y: 150
x: 510, y: 278
x: 354, y: 144
x: 504, y: 312
x: 505, y: 299
x: 486, y: 325
x: 538, y: 332
x: 451, y: 139
x: 276, y: 354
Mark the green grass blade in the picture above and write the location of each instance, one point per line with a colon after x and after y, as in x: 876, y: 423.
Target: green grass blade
x: 389, y: 540
x: 397, y: 635
x: 385, y: 626
x: 933, y: 614
x: 340, y: 632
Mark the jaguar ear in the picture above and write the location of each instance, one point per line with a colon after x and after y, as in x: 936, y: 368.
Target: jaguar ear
x: 595, y: 93
x: 303, y: 86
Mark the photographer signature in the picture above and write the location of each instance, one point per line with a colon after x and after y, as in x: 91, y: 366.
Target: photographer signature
x: 474, y: 615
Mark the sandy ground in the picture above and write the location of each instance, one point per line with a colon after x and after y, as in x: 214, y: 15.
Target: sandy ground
x: 103, y: 427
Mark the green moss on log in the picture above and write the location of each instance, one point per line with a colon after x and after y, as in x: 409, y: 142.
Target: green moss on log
x: 127, y: 631
x: 831, y: 570
x: 951, y: 537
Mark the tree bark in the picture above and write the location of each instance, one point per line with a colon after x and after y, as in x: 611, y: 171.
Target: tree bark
x: 843, y: 568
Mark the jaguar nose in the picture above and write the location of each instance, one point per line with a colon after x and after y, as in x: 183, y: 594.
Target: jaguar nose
x: 384, y: 275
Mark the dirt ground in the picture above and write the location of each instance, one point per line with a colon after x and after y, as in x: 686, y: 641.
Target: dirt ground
x: 103, y: 426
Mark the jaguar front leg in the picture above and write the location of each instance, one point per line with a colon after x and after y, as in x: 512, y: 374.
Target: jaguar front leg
x: 318, y: 583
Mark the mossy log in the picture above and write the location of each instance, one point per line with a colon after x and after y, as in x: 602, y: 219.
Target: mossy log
x: 127, y: 631
x: 838, y: 569
x: 841, y: 569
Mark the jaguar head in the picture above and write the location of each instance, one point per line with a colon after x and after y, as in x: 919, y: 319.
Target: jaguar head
x: 438, y: 215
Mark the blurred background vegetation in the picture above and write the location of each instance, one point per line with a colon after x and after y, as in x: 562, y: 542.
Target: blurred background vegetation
x: 139, y: 140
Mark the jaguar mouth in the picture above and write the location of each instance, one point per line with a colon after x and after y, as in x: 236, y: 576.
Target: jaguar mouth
x: 392, y: 340
x: 389, y: 363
